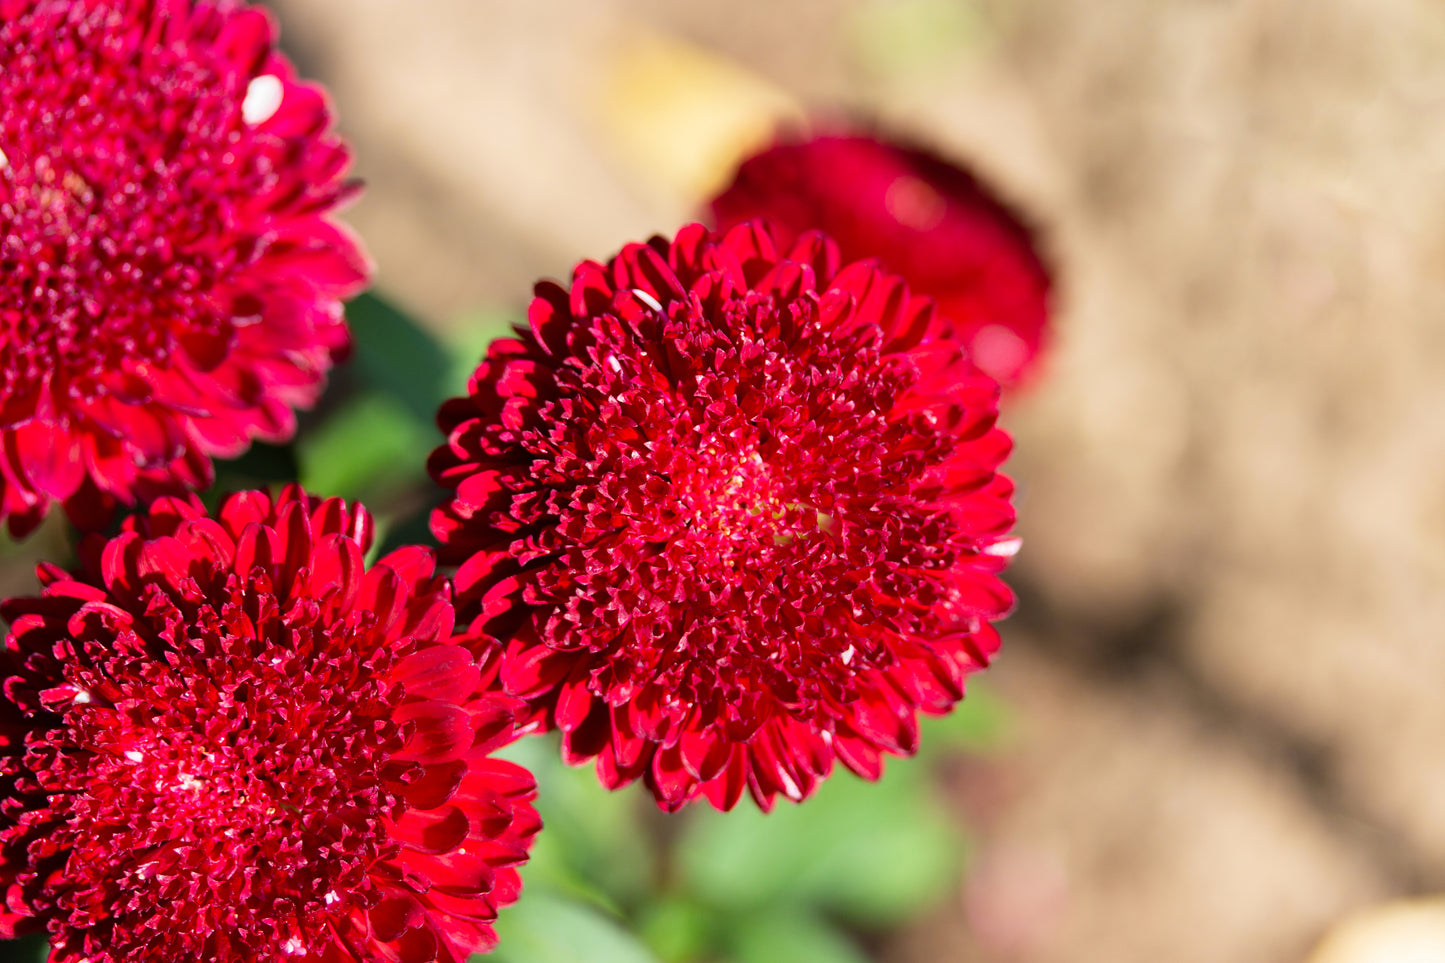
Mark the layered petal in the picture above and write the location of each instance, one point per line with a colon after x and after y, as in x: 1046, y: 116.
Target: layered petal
x: 170, y: 276
x: 729, y: 509
x: 223, y: 738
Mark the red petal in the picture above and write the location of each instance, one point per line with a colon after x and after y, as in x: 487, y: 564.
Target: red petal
x: 444, y: 673
x: 725, y: 791
x: 245, y: 508
x: 437, y: 785
x: 434, y: 831
x: 573, y: 700
x: 336, y: 566
x: 412, y: 564
x: 51, y: 458
x: 257, y: 546
x: 704, y: 753
x: 393, y: 916
x: 441, y: 731
x: 528, y: 671
x: 669, y: 779
x: 294, y: 532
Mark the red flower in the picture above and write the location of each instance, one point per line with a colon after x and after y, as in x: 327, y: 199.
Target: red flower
x: 732, y: 513
x: 169, y: 275
x: 223, y: 739
x: 924, y: 218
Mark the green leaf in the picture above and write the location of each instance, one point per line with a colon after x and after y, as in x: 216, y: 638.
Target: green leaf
x: 261, y: 465
x: 678, y: 930
x: 794, y: 937
x: 369, y: 445
x: 396, y: 355
x: 27, y: 949
x: 595, y: 844
x: 468, y: 339
x: 546, y: 928
x: 979, y: 723
x: 876, y: 853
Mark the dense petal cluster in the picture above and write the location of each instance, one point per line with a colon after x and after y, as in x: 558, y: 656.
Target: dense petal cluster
x: 733, y: 511
x: 226, y: 739
x: 924, y: 218
x: 170, y: 280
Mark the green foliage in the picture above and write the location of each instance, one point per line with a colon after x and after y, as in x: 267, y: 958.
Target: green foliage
x: 870, y: 853
x: 371, y: 447
x: 595, y: 844
x: 543, y: 928
x: 27, y: 949
x: 678, y: 929
x: 792, y: 937
x: 375, y: 443
x: 398, y: 357
x: 261, y: 465
x: 744, y: 887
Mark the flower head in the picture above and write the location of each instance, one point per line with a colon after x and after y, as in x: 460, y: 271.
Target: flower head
x: 926, y: 219
x: 733, y: 512
x: 170, y: 280
x: 226, y: 739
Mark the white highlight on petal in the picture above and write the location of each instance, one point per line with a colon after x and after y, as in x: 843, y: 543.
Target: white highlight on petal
x: 134, y: 756
x: 647, y: 299
x: 331, y: 897
x: 263, y: 99
x: 81, y: 697
x: 1004, y: 548
x: 293, y: 947
x: 790, y: 788
x: 4, y: 161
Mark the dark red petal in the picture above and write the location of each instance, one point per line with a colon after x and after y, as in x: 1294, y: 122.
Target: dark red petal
x: 258, y: 546
x: 437, y: 785
x: 393, y: 916
x: 443, y: 673
x: 440, y: 731
x: 725, y: 790
x: 670, y: 780
x: 704, y: 753
x: 436, y: 831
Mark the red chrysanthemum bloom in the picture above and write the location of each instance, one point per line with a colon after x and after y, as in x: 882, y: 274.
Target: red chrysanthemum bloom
x: 733, y: 513
x: 170, y: 280
x: 924, y: 218
x: 225, y: 739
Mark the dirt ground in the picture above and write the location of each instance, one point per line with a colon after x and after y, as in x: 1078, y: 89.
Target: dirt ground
x: 1227, y: 663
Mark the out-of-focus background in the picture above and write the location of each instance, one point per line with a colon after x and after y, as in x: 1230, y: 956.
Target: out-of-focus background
x: 1222, y: 689
x: 1215, y: 729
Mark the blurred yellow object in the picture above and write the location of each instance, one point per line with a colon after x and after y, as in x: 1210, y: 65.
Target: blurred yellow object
x: 1396, y: 933
x: 683, y: 117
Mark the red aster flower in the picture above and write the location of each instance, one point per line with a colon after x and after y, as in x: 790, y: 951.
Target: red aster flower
x: 169, y: 276
x: 924, y: 218
x: 224, y: 739
x: 734, y: 514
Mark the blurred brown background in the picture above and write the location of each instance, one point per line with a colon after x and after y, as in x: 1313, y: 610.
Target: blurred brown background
x: 1226, y: 668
